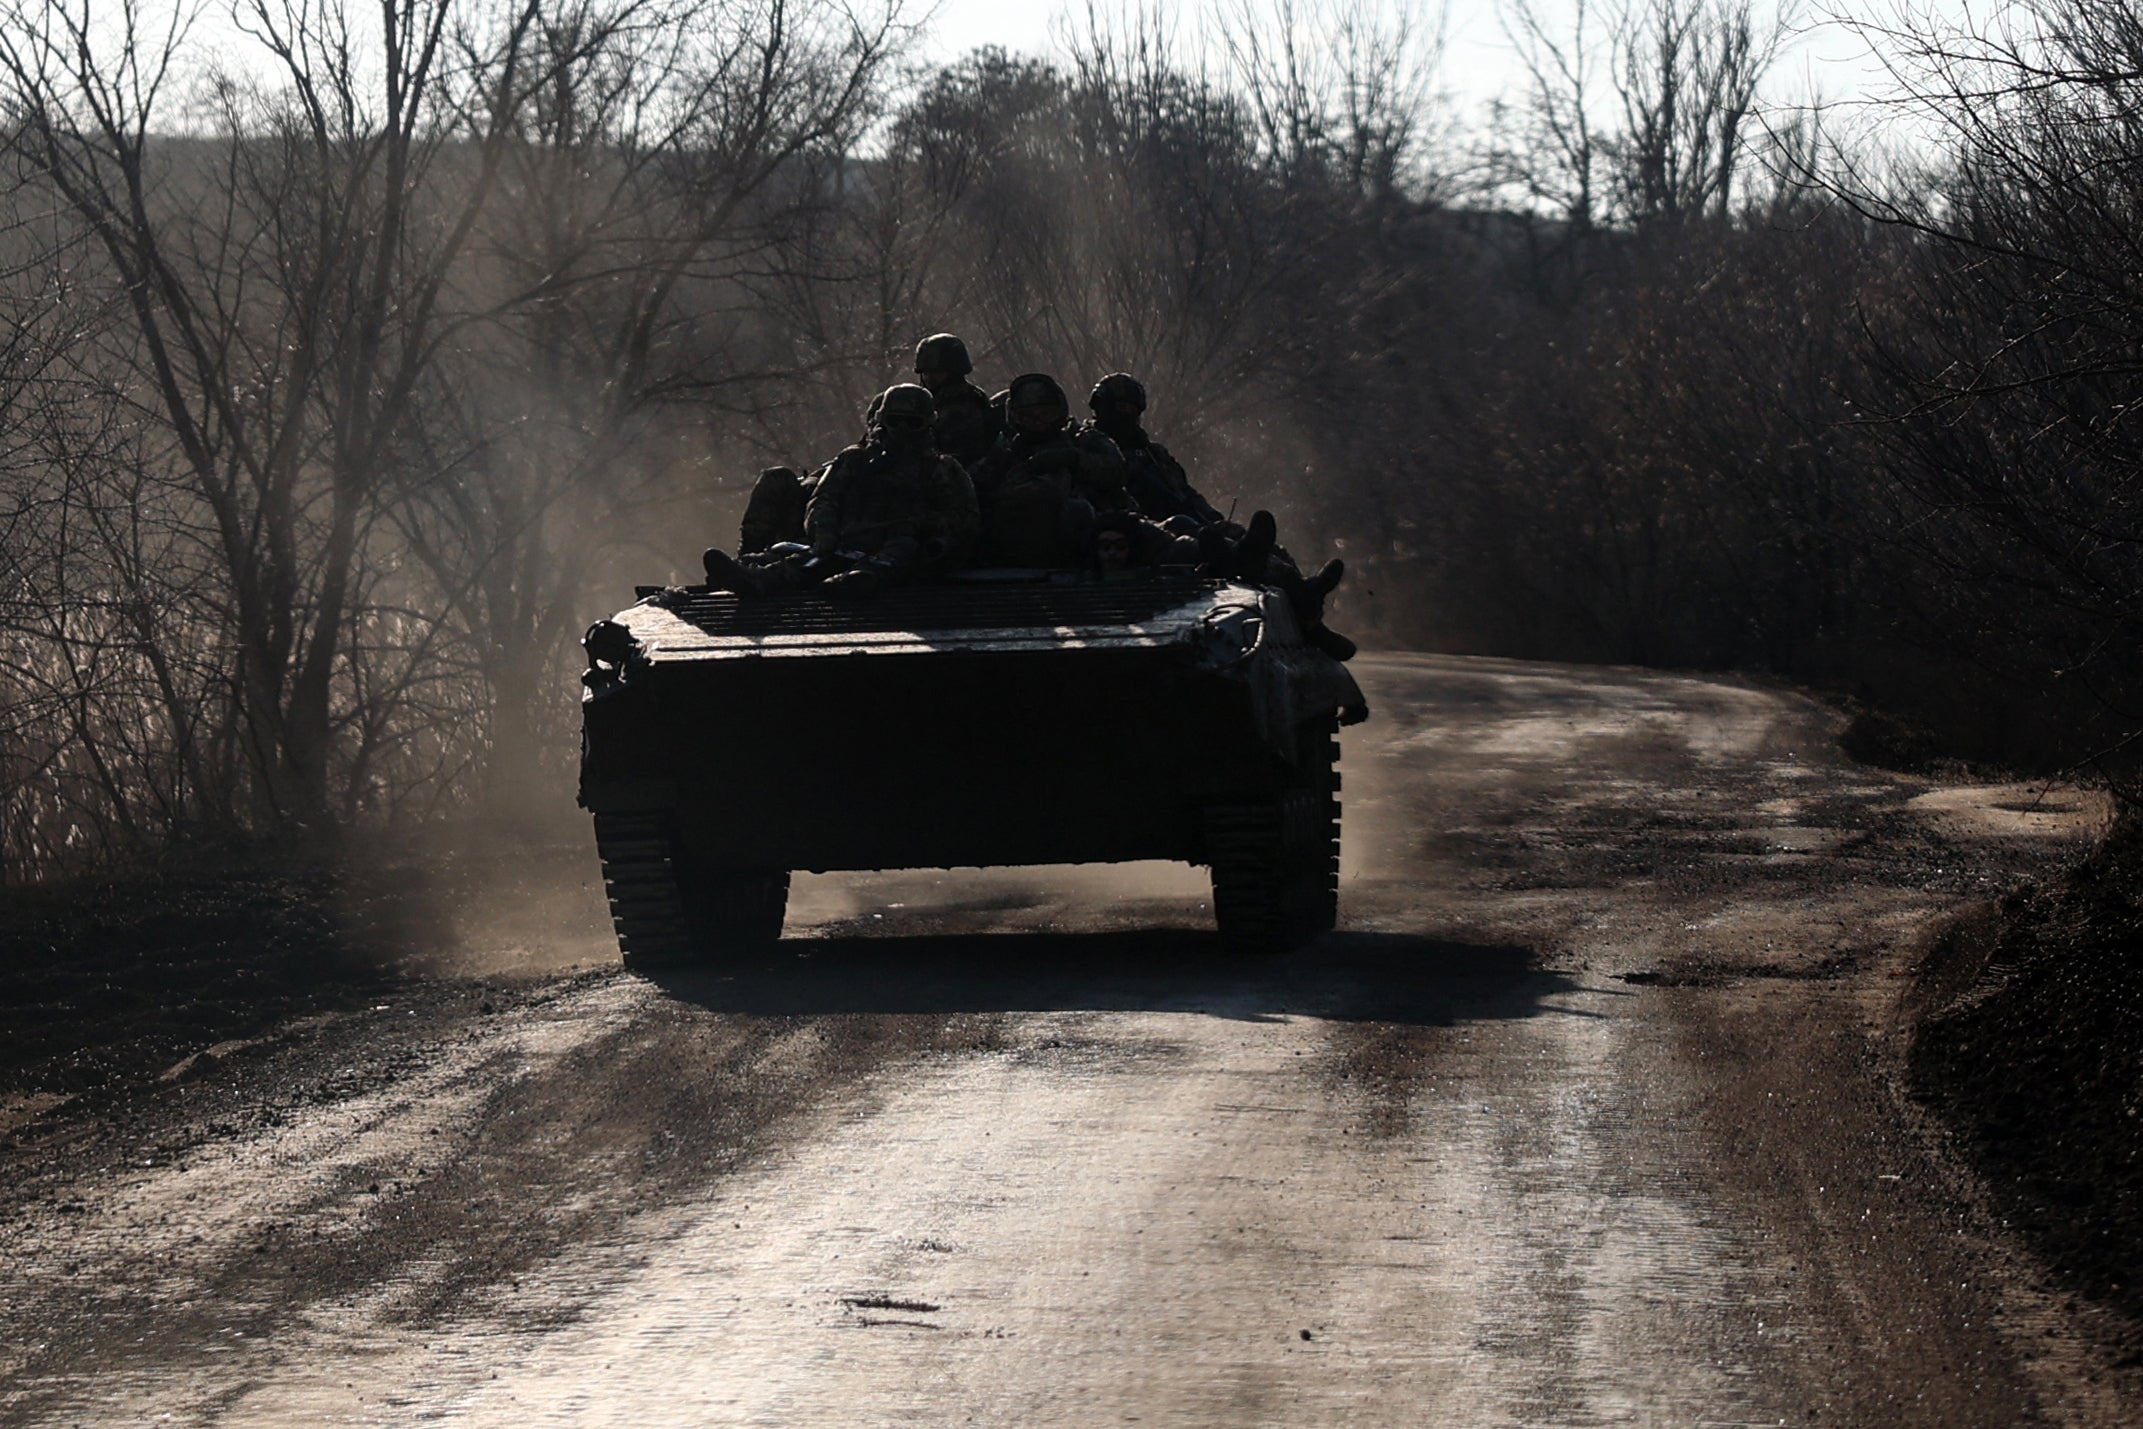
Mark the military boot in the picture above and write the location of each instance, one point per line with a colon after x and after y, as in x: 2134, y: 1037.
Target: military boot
x: 1338, y: 646
x: 726, y: 572
x: 1243, y: 557
x: 1306, y: 595
x: 1254, y: 552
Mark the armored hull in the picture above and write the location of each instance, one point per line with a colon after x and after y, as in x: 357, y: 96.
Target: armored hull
x: 727, y: 742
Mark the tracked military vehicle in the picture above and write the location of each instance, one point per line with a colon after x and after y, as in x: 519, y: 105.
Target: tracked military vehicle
x: 727, y: 742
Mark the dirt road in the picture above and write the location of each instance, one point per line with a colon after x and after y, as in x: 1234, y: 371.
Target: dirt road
x: 1586, y: 1116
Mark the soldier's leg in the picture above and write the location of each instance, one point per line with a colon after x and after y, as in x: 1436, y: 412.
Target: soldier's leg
x: 775, y: 511
x: 899, y: 560
x: 726, y: 572
x: 1243, y: 556
x: 769, y: 576
x: 779, y: 551
x: 1258, y: 557
x: 1160, y: 544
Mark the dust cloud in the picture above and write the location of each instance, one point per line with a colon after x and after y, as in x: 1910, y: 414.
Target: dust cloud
x: 473, y: 903
x: 539, y: 910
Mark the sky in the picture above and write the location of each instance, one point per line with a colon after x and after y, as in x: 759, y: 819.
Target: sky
x: 1478, y: 62
x: 1477, y: 55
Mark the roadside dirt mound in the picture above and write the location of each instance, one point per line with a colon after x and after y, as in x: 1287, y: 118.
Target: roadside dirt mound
x: 107, y: 983
x: 2030, y: 1046
x: 1884, y: 739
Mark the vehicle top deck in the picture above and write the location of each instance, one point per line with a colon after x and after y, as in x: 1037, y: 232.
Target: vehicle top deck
x: 978, y: 611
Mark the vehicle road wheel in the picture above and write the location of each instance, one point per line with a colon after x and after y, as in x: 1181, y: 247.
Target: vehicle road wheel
x: 1276, y: 862
x: 671, y: 910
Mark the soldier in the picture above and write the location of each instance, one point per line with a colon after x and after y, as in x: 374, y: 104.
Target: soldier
x: 1163, y: 492
x: 1158, y: 484
x: 891, y: 509
x: 775, y: 513
x: 967, y: 426
x: 1125, y: 544
x: 774, y: 516
x: 1042, y: 484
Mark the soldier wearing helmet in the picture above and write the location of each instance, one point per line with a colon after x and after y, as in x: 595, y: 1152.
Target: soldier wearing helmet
x: 967, y: 425
x: 1157, y: 482
x: 775, y: 512
x: 1042, y: 484
x: 1162, y: 490
x: 774, y: 516
x: 890, y: 509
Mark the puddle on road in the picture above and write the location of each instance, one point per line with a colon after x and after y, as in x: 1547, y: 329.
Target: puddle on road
x: 2035, y: 810
x: 1150, y: 894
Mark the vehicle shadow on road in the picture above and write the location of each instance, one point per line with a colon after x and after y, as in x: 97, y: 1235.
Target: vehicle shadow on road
x: 1344, y: 976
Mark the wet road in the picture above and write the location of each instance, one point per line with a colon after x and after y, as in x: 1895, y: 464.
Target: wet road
x: 1587, y: 1115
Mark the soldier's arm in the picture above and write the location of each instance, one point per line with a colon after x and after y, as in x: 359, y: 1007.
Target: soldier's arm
x: 1101, y: 473
x: 1198, y: 507
x: 957, y: 518
x: 986, y: 474
x: 1149, y: 491
x: 822, y: 518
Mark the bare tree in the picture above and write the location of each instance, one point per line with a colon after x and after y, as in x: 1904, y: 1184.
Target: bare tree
x: 1553, y: 155
x: 2006, y: 405
x: 645, y: 199
x: 1686, y: 74
x: 287, y: 280
x: 1342, y: 87
x: 1645, y: 112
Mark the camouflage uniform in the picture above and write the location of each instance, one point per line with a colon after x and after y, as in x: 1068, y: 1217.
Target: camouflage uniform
x: 891, y: 509
x: 1158, y: 483
x: 775, y: 512
x: 1160, y: 488
x: 1042, y: 485
x: 1163, y: 492
x: 774, y: 515
x: 915, y: 508
x: 1125, y: 542
x: 968, y: 425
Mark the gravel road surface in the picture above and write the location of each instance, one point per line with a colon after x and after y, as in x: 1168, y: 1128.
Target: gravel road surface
x: 1587, y: 1115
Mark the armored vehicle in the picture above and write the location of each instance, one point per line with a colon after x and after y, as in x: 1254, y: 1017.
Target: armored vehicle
x: 727, y: 742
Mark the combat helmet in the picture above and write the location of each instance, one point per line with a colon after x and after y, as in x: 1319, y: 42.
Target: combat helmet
x: 905, y: 405
x: 1118, y: 387
x: 903, y: 417
x: 1037, y: 389
x: 942, y: 352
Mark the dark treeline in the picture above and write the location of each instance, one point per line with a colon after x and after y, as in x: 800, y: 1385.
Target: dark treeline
x: 344, y: 384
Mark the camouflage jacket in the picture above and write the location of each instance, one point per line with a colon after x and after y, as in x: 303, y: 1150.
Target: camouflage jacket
x: 1158, y: 484
x: 870, y: 496
x: 776, y: 509
x: 1039, y: 495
